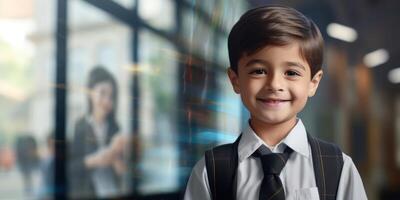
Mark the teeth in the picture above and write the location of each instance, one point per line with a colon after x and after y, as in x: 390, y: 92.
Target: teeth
x: 272, y: 100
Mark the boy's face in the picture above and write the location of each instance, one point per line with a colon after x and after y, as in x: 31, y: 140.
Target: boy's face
x: 274, y: 83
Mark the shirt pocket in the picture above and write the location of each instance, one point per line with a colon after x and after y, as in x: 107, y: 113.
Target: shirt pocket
x: 307, y: 194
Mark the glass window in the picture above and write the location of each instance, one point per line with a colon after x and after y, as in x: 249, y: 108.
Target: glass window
x: 158, y: 115
x: 197, y: 35
x: 228, y: 106
x: 175, y: 127
x: 126, y: 3
x: 98, y: 121
x: 230, y: 13
x: 79, y: 17
x: 44, y: 15
x: 222, y: 51
x: 158, y: 13
x: 206, y: 7
x: 211, y: 107
x: 26, y: 98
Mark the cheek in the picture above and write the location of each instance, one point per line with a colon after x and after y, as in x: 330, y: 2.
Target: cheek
x: 109, y: 104
x: 300, y: 93
x: 106, y: 101
x: 251, y: 87
x: 94, y: 98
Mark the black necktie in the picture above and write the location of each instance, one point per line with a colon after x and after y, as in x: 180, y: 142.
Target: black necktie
x: 272, y: 164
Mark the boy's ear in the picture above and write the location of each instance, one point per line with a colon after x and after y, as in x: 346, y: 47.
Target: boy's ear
x: 314, y: 83
x: 233, y: 77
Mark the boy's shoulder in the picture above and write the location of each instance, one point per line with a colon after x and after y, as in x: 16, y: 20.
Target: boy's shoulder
x: 323, y: 147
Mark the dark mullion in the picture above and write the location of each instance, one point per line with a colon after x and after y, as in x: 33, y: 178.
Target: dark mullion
x: 114, y: 9
x: 135, y: 89
x: 60, y: 181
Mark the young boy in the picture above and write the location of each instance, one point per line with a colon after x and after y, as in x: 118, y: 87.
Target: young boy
x: 276, y: 56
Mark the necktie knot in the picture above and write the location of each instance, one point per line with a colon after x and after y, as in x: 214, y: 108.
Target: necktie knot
x: 272, y: 163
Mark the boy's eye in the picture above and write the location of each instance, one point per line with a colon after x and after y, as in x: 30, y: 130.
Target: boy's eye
x: 292, y: 73
x: 258, y: 72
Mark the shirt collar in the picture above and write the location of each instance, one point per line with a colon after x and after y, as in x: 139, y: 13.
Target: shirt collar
x: 296, y: 140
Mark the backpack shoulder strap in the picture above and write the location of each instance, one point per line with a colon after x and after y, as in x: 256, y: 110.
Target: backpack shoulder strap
x: 328, y: 163
x: 221, y: 164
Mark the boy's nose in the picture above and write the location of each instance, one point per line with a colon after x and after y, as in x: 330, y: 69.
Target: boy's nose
x: 274, y: 83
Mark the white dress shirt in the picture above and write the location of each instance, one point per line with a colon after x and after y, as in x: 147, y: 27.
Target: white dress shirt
x: 297, y: 176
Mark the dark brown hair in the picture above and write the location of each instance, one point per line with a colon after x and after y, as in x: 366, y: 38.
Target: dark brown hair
x: 275, y: 26
x: 98, y: 75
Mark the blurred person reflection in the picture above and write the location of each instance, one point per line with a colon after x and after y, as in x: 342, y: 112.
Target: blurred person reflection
x: 96, y: 161
x: 28, y: 161
x: 47, y: 170
x: 7, y: 159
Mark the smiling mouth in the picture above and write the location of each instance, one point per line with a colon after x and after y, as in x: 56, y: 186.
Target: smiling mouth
x: 272, y: 102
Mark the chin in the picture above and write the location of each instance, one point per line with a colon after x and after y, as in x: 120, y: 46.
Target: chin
x: 275, y: 119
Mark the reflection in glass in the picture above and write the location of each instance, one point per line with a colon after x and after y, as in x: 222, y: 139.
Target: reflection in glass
x: 96, y: 150
x: 27, y: 160
x: 26, y: 95
x: 98, y: 105
x: 158, y: 109
x: 184, y: 107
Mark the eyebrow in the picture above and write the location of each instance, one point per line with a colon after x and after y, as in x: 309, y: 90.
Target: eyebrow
x: 295, y: 64
x: 257, y: 61
x: 266, y: 63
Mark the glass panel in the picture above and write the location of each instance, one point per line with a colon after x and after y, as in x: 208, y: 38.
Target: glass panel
x: 158, y: 110
x: 98, y: 123
x: 158, y: 13
x: 230, y: 13
x: 222, y: 51
x: 212, y: 110
x: 79, y: 16
x: 206, y: 7
x: 228, y: 107
x: 26, y: 98
x: 197, y: 34
x: 126, y: 3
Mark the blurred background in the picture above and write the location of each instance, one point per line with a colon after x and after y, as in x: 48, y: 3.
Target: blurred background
x: 171, y: 99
